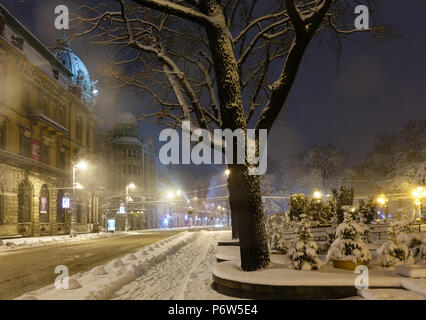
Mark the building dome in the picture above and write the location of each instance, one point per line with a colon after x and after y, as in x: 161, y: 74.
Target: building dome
x: 81, y: 76
x: 127, y: 118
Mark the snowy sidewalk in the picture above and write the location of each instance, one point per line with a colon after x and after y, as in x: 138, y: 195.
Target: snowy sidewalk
x: 178, y: 267
x: 185, y: 274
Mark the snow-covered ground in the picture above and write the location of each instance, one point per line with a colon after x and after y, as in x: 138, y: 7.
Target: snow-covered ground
x: 178, y: 267
x: 8, y: 244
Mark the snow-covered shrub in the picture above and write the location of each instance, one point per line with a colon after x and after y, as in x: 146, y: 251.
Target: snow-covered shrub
x: 298, y: 205
x: 275, y: 231
x: 304, y: 252
x: 415, y: 243
x: 392, y: 252
x: 348, y: 245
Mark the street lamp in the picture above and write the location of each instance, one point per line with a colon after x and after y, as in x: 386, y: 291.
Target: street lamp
x: 383, y: 201
x: 419, y: 194
x: 317, y: 196
x: 227, y: 172
x: 130, y: 186
x: 82, y: 165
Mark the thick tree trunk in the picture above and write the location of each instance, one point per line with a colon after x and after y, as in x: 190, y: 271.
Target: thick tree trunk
x: 244, y: 190
x: 234, y: 224
x: 245, y: 200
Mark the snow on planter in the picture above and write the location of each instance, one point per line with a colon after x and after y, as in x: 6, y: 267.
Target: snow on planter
x: 304, y: 252
x: 416, y: 285
x: 412, y: 271
x: 348, y: 245
x: 390, y: 294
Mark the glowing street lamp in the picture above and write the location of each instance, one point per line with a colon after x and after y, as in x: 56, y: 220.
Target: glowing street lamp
x: 178, y: 192
x: 170, y: 195
x: 317, y: 195
x: 419, y: 194
x: 227, y: 172
x: 383, y: 201
x: 82, y: 165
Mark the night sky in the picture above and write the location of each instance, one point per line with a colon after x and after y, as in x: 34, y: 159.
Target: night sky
x: 378, y: 88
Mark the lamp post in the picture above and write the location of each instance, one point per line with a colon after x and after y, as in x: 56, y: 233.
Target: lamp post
x: 317, y: 196
x: 383, y: 201
x: 419, y: 194
x: 82, y: 165
x: 130, y: 186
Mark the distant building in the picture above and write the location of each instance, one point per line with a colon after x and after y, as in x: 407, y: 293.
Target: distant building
x: 46, y: 126
x: 127, y: 159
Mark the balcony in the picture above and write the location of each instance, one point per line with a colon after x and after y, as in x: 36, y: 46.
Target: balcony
x: 37, y: 116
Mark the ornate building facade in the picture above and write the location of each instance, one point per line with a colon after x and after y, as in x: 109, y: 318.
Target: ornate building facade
x: 46, y: 126
x: 128, y: 159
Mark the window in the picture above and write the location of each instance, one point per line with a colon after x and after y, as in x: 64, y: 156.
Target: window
x: 25, y: 196
x: 60, y: 116
x: 26, y: 100
x: 123, y: 153
x: 45, y: 153
x: 44, y: 204
x: 61, y: 158
x: 79, y: 128
x: 129, y: 153
x: 44, y: 107
x: 60, y: 212
x: 25, y: 145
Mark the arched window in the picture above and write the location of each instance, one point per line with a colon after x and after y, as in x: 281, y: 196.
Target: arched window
x: 60, y: 211
x: 44, y: 204
x: 25, y: 201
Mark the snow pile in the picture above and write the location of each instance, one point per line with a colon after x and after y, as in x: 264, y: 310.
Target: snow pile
x: 348, y: 245
x: 304, y: 252
x: 103, y: 281
x: 51, y: 240
x: 393, y: 252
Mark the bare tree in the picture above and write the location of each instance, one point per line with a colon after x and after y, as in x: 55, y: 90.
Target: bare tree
x: 227, y: 64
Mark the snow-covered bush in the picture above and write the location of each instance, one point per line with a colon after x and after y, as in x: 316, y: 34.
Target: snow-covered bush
x: 348, y: 245
x: 415, y: 243
x: 392, y: 252
x: 275, y: 231
x: 298, y: 205
x: 304, y: 252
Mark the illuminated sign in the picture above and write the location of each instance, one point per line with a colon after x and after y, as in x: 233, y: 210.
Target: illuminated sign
x: 122, y: 210
x: 65, y: 203
x: 111, y: 224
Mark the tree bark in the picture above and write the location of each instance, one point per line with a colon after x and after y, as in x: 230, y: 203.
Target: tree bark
x: 245, y: 200
x: 244, y: 190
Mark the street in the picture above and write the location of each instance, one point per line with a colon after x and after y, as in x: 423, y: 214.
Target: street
x: 28, y: 269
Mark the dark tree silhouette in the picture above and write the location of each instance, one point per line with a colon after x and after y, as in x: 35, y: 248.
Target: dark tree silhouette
x: 226, y: 64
